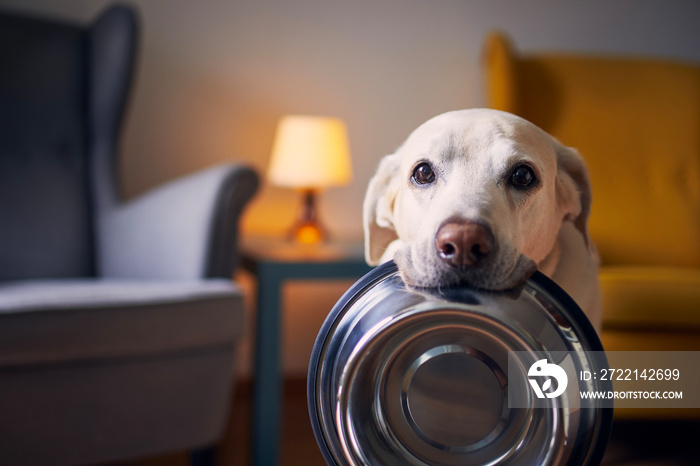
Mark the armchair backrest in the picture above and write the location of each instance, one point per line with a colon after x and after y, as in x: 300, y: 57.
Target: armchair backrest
x: 636, y: 122
x: 63, y: 89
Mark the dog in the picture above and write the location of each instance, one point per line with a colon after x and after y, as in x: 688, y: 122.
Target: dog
x: 484, y: 197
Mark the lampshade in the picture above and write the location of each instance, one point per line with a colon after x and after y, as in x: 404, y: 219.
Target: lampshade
x: 310, y: 153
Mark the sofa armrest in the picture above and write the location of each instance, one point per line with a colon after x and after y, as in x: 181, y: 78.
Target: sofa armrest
x: 183, y: 230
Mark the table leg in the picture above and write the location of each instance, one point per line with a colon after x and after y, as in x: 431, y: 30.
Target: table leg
x: 267, y: 384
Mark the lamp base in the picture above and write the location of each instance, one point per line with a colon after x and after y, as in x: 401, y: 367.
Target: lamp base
x: 311, y: 233
x: 307, y: 229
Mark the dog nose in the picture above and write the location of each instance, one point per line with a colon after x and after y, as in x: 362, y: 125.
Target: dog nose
x: 464, y: 243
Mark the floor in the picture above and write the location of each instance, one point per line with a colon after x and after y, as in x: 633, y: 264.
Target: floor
x: 298, y: 443
x: 659, y: 443
x: 632, y: 444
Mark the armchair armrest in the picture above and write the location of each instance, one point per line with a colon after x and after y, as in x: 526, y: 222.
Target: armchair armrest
x: 186, y: 229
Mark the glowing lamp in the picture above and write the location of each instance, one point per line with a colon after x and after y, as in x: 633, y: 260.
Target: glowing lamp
x: 310, y: 154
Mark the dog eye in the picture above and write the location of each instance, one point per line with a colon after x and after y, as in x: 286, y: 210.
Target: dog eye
x: 522, y: 177
x: 423, y: 173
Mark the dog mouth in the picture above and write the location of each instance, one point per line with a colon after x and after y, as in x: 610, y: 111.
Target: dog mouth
x: 505, y: 272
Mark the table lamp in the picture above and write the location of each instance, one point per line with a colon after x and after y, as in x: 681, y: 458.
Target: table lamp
x: 310, y: 154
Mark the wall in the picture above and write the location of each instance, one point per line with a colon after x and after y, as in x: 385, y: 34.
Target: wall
x: 214, y: 76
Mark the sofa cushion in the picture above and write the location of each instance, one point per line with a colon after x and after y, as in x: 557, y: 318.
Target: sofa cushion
x: 658, y: 298
x: 51, y: 321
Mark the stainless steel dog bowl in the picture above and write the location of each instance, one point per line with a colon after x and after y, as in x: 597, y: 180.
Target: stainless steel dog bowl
x: 400, y: 377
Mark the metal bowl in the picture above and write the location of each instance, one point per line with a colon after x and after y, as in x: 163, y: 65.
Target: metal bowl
x: 401, y: 377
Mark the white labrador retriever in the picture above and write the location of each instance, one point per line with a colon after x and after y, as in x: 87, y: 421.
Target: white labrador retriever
x: 484, y: 197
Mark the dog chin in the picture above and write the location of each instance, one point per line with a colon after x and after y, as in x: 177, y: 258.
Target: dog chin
x: 426, y: 271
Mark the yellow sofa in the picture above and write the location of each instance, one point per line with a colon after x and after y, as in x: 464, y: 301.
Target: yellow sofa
x: 636, y: 122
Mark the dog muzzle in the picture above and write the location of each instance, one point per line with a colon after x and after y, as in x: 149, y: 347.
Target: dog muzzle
x: 457, y: 377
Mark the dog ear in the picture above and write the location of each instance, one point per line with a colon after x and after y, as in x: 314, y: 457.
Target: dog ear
x: 574, y: 189
x: 378, y: 209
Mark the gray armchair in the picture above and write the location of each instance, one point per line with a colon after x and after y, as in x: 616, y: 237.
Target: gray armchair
x: 119, y: 321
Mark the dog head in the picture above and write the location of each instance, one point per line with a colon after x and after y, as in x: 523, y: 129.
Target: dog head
x: 475, y: 196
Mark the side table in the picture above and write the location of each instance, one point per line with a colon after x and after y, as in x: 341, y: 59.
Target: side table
x: 274, y: 261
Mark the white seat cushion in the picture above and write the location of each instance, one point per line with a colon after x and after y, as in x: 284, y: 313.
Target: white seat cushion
x: 48, y: 321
